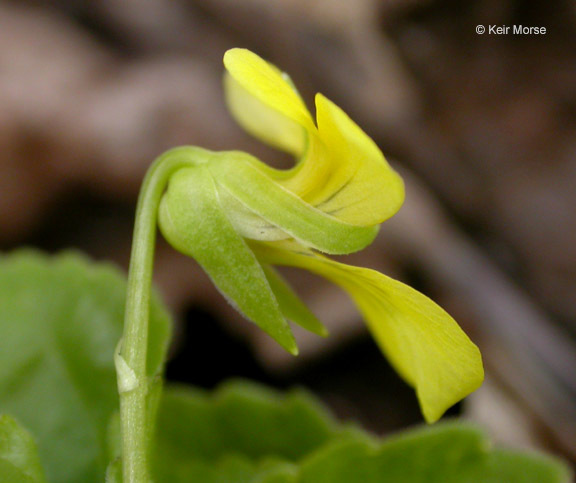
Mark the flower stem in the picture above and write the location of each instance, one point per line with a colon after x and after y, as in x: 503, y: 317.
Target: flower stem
x: 133, y: 380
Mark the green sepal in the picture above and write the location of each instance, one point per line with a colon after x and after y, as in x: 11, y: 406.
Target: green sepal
x: 239, y: 174
x: 291, y: 305
x: 193, y: 221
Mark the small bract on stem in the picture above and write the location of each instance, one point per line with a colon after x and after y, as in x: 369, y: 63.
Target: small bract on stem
x: 237, y: 217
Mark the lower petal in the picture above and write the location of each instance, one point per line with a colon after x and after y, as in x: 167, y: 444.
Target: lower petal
x: 423, y: 342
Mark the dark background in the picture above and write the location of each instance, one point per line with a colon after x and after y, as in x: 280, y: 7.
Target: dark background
x: 481, y: 126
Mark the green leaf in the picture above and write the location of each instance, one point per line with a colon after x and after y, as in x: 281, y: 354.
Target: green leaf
x: 519, y: 467
x: 60, y: 322
x: 19, y: 461
x: 244, y: 420
x: 445, y: 453
x: 246, y: 433
x: 230, y: 469
x: 276, y: 472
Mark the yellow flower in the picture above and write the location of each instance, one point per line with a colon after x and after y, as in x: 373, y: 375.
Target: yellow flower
x: 340, y: 171
x: 238, y: 216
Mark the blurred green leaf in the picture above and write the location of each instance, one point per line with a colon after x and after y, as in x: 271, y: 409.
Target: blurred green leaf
x: 60, y: 322
x: 230, y: 469
x: 19, y: 461
x: 445, y: 453
x: 519, y: 466
x: 242, y: 419
x: 245, y: 433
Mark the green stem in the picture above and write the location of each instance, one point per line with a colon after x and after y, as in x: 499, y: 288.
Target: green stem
x: 131, y: 366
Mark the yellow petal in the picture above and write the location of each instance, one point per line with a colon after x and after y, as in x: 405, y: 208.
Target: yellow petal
x: 424, y: 344
x: 264, y: 102
x: 369, y: 191
x: 352, y: 180
x: 340, y: 170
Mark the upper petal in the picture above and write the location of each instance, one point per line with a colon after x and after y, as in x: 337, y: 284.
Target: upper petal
x: 425, y: 344
x: 265, y: 103
x: 340, y: 170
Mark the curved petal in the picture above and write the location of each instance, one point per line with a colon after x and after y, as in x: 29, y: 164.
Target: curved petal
x: 265, y: 103
x: 340, y: 170
x: 424, y: 344
x: 350, y: 177
x: 193, y: 221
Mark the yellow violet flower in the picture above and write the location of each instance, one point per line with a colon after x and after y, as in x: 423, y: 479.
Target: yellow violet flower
x: 341, y: 171
x: 238, y: 217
